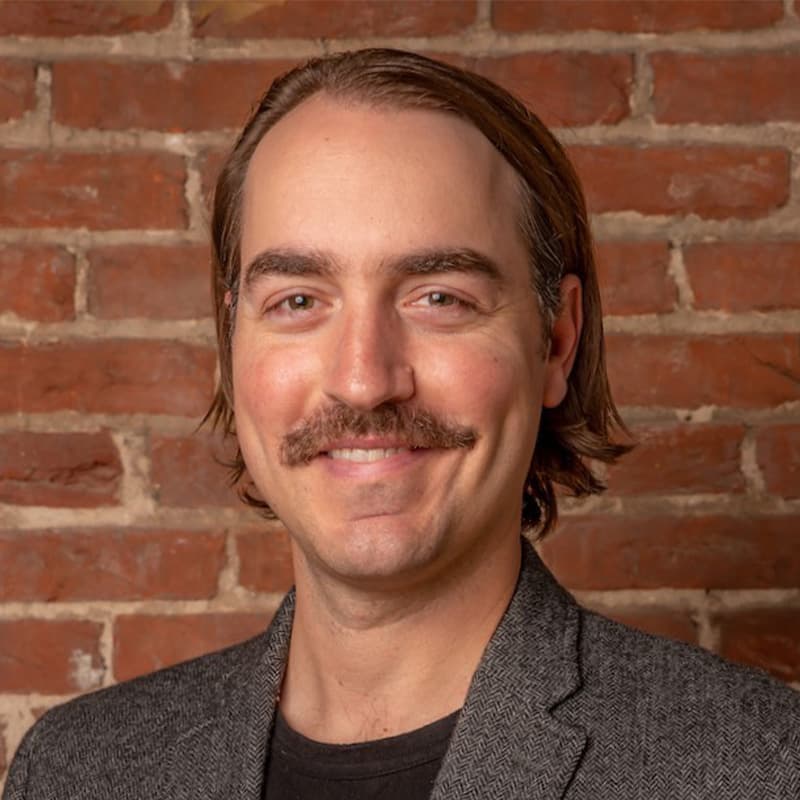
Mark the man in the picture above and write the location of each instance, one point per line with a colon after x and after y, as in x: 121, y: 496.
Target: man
x: 411, y: 357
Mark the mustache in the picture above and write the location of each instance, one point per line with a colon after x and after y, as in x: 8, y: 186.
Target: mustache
x: 417, y: 427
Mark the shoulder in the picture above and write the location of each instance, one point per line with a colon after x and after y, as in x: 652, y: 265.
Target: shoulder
x: 124, y: 730
x: 667, y: 708
x: 619, y: 660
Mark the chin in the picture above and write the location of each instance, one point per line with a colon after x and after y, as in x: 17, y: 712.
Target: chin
x: 378, y: 549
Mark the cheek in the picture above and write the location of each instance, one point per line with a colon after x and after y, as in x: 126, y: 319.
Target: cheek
x: 485, y: 383
x: 270, y: 388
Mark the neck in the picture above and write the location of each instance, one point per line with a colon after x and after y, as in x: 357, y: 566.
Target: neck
x: 369, y: 664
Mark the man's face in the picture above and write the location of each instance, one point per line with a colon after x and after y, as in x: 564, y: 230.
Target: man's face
x: 388, y: 361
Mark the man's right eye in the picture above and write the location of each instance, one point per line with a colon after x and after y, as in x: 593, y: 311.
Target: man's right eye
x: 299, y: 302
x: 294, y: 302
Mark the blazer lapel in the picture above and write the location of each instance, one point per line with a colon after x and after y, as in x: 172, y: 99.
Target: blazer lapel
x: 506, y: 743
x: 223, y: 757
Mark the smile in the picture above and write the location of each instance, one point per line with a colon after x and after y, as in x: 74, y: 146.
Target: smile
x: 366, y: 455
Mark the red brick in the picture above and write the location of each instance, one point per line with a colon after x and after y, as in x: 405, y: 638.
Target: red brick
x: 37, y: 282
x: 711, y: 182
x: 60, y: 18
x: 159, y: 282
x: 93, y: 190
x: 595, y: 552
x: 265, y: 561
x: 765, y: 638
x: 112, y: 376
x: 679, y: 459
x: 325, y: 18
x: 109, y: 564
x: 726, y: 89
x: 186, y: 471
x: 660, y: 622
x: 17, y: 88
x: 146, y: 643
x: 59, y: 469
x: 49, y: 656
x: 633, y: 16
x: 565, y: 88
x: 634, y: 277
x: 210, y: 163
x: 744, y: 276
x: 778, y: 449
x: 744, y: 371
x: 177, y: 96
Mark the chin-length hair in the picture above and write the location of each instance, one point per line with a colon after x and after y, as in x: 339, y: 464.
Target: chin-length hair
x: 552, y: 219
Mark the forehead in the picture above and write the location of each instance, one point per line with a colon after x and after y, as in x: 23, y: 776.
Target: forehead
x: 365, y: 182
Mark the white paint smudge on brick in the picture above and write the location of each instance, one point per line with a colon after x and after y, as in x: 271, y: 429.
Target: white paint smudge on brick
x: 83, y: 673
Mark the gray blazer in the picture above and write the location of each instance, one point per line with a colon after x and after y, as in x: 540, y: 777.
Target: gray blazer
x: 565, y: 704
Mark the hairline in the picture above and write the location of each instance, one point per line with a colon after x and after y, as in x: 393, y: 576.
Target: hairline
x: 360, y: 95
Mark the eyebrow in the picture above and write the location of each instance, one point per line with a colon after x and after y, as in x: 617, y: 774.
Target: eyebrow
x: 288, y: 262
x: 425, y: 262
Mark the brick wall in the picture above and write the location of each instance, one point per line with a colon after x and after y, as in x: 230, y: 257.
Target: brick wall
x: 122, y: 551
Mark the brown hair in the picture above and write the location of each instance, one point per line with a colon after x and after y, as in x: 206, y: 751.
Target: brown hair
x: 554, y: 223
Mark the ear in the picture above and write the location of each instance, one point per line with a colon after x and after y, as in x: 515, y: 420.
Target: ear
x: 564, y: 338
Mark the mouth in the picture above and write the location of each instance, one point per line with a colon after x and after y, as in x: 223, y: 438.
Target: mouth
x: 365, y: 455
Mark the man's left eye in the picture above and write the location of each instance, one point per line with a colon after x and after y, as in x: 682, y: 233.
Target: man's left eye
x: 442, y: 299
x: 439, y: 299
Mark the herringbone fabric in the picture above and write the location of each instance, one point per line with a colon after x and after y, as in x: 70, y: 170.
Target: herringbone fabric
x: 565, y: 704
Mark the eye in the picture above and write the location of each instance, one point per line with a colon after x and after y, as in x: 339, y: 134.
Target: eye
x: 442, y: 299
x: 445, y: 300
x: 297, y: 302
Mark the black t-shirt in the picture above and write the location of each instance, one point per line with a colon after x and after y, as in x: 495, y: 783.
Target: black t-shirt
x: 401, y: 767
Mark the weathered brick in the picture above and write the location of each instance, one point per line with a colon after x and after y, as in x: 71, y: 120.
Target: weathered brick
x: 186, y: 471
x: 94, y: 190
x: 109, y: 564
x: 49, y: 656
x: 17, y: 88
x: 60, y: 18
x: 658, y: 621
x: 325, y: 18
x: 37, y: 282
x: 174, y: 96
x: 144, y: 643
x: 778, y: 454
x: 765, y: 638
x: 711, y: 182
x: 634, y: 277
x: 565, y: 88
x: 633, y: 16
x: 59, y: 469
x: 744, y: 276
x: 715, y: 552
x: 680, y: 459
x: 736, y: 370
x: 158, y: 282
x: 209, y: 164
x: 265, y: 561
x: 112, y: 376
x: 739, y: 88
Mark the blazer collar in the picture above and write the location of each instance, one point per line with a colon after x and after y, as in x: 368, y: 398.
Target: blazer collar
x: 223, y: 757
x: 506, y: 743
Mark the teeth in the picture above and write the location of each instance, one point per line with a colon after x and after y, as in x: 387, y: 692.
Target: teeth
x: 375, y: 454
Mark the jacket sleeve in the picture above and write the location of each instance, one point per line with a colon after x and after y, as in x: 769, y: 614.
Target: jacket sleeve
x: 17, y: 779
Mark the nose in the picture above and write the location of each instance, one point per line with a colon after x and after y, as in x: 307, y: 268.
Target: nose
x: 368, y: 363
